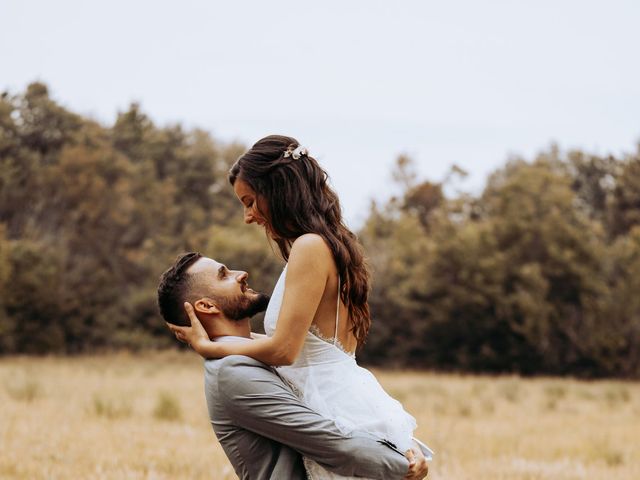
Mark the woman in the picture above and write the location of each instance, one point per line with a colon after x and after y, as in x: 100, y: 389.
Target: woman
x: 318, y: 314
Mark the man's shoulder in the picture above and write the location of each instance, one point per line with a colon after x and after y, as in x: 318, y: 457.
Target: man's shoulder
x: 237, y: 374
x: 215, y: 365
x: 212, y: 365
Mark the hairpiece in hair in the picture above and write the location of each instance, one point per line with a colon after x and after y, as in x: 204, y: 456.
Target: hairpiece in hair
x: 295, y: 153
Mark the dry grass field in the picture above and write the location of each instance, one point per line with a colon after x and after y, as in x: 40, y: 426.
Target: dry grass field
x: 144, y: 417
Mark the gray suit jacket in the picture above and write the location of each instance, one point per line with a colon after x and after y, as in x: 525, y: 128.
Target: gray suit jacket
x: 262, y: 425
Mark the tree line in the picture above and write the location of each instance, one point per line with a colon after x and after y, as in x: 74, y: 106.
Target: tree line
x: 539, y: 273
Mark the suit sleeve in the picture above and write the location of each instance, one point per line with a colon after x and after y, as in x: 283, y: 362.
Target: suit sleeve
x: 258, y: 400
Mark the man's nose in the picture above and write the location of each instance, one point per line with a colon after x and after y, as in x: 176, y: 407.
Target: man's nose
x: 242, y: 277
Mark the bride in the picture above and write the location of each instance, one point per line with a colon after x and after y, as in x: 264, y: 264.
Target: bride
x: 318, y: 314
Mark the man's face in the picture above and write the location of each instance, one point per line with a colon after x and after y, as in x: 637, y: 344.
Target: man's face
x: 227, y: 288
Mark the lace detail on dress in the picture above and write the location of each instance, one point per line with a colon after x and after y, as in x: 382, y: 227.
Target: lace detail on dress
x: 315, y: 331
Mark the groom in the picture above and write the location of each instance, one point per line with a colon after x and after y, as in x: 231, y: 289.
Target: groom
x: 261, y: 424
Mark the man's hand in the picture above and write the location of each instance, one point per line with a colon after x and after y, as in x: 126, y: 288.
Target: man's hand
x: 418, y: 467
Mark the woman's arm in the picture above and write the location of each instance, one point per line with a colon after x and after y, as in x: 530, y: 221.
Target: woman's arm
x: 310, y: 264
x: 263, y: 349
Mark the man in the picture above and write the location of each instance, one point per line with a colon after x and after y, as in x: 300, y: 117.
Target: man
x: 261, y: 424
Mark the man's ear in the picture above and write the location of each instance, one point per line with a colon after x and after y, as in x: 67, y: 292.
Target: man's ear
x: 206, y: 305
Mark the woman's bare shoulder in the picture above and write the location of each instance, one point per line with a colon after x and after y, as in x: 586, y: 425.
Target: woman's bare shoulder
x: 310, y: 247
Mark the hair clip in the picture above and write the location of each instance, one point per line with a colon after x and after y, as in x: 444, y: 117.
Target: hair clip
x: 296, y: 153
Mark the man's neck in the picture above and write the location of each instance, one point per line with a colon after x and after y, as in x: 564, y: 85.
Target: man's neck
x: 230, y: 328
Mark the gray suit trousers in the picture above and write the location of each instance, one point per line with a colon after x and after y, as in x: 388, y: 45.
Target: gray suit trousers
x: 264, y: 428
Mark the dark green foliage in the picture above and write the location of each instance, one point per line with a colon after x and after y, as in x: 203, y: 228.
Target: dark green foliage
x: 538, y: 274
x: 91, y: 216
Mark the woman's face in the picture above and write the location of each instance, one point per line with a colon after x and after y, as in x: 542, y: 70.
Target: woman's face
x: 255, y: 206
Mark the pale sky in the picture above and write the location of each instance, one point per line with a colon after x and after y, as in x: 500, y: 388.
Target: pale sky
x: 357, y: 82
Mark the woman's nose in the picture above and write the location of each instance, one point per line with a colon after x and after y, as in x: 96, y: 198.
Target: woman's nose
x: 248, y: 217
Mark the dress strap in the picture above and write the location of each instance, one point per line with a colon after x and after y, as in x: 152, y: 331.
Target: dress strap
x: 335, y: 334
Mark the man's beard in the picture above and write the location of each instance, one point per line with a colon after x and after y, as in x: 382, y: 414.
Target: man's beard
x: 243, y: 306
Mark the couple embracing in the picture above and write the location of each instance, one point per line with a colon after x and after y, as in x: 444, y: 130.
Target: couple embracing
x: 294, y: 403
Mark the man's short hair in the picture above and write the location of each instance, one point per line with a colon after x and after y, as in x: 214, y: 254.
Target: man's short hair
x: 174, y: 289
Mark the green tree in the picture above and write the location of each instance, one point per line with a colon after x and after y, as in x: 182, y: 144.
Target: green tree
x: 553, y: 250
x: 626, y: 203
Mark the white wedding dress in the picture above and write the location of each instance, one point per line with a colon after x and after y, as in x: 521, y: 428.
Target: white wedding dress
x: 328, y: 380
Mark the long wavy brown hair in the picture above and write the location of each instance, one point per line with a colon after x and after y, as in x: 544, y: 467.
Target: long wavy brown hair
x: 300, y: 201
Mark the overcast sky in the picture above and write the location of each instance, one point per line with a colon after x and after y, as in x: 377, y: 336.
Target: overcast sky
x: 357, y: 82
